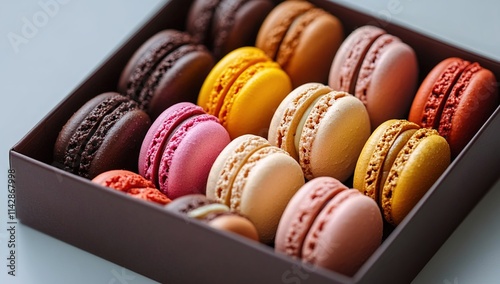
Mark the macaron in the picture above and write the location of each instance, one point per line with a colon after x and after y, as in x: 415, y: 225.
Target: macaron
x: 329, y: 225
x: 324, y: 130
x: 241, y: 85
x: 255, y: 179
x: 132, y: 184
x: 224, y: 25
x: 398, y: 165
x: 456, y: 98
x: 104, y: 134
x: 302, y: 38
x: 379, y: 69
x: 216, y: 215
x: 168, y: 68
x: 179, y: 149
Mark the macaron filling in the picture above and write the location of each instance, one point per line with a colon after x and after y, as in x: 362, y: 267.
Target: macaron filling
x: 206, y: 210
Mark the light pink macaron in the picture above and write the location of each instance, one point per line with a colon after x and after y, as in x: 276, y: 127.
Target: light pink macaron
x: 180, y: 148
x: 330, y: 225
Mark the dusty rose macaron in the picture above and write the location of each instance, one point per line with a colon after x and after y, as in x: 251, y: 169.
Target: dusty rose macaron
x: 379, y: 69
x: 216, y: 215
x: 324, y: 130
x: 256, y: 180
x: 330, y: 225
x: 224, y: 25
x: 132, y: 184
x: 179, y: 149
x: 456, y: 98
x: 168, y: 68
x: 302, y: 38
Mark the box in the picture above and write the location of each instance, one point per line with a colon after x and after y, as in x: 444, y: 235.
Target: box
x: 171, y: 249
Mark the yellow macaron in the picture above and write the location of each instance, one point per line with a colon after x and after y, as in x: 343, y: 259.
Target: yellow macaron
x: 398, y: 164
x: 243, y: 90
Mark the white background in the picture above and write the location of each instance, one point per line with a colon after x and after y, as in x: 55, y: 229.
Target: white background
x: 75, y: 36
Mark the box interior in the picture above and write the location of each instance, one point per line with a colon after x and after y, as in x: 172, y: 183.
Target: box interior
x: 150, y: 241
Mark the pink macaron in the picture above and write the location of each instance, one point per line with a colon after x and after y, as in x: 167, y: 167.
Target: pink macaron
x: 180, y: 148
x: 378, y: 68
x: 329, y: 225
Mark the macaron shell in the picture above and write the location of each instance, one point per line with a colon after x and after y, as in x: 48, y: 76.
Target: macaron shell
x: 301, y: 212
x: 236, y: 224
x: 277, y: 23
x: 122, y: 180
x: 347, y: 61
x: 260, y: 88
x: 237, y: 23
x: 267, y: 182
x: 385, y: 98
x: 473, y: 99
x: 189, y: 155
x: 431, y: 96
x: 309, y: 47
x: 223, y: 74
x: 422, y: 161
x: 201, y: 13
x: 158, y: 134
x: 378, y: 154
x: 286, y: 118
x: 182, y: 81
x: 125, y: 136
x: 346, y: 232
x: 225, y: 168
x: 333, y: 136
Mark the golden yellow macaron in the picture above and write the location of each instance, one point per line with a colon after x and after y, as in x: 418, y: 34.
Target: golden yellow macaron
x: 398, y: 164
x: 243, y: 90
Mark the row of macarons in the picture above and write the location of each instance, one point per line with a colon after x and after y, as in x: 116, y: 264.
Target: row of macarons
x: 255, y: 187
x: 294, y: 43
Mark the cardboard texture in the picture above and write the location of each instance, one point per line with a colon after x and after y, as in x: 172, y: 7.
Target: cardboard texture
x: 171, y: 249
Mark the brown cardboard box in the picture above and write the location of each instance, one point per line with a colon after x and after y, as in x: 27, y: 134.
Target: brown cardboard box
x: 170, y: 249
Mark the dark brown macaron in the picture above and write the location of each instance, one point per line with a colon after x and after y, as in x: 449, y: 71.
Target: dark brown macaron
x: 224, y: 25
x: 456, y: 98
x: 168, y: 68
x: 216, y: 215
x: 105, y: 133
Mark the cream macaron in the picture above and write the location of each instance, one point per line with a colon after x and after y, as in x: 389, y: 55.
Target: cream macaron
x: 324, y: 130
x: 255, y: 179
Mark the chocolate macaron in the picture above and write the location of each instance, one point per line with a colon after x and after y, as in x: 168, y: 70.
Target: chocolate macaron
x: 224, y: 25
x: 168, y: 68
x: 105, y: 133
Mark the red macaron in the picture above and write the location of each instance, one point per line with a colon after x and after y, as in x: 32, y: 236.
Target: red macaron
x: 456, y: 98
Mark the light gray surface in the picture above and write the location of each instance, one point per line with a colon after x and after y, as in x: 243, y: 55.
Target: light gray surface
x: 74, y: 37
